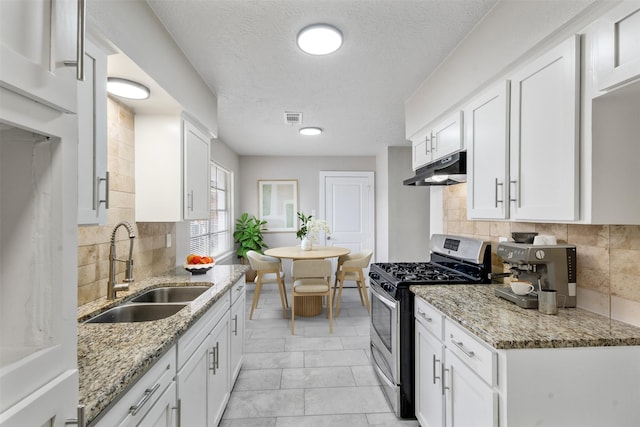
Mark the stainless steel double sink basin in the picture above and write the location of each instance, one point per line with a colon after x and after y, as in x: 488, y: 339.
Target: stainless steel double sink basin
x: 155, y: 304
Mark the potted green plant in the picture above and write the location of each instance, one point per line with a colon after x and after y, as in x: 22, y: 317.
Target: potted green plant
x: 248, y: 234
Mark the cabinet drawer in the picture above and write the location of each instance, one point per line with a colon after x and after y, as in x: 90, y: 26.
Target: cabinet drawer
x: 133, y: 406
x: 190, y: 341
x: 237, y: 290
x: 429, y: 317
x: 475, y: 354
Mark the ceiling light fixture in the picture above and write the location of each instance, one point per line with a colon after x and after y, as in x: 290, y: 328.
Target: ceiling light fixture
x: 319, y: 39
x: 127, y: 88
x: 310, y: 131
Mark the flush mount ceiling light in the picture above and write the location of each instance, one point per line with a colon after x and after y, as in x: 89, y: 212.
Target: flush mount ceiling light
x: 127, y: 88
x: 310, y: 131
x: 319, y: 39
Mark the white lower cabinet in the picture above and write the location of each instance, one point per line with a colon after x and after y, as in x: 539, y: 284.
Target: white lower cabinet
x: 142, y: 399
x: 236, y: 331
x: 163, y: 412
x: 451, y: 390
x: 203, y: 368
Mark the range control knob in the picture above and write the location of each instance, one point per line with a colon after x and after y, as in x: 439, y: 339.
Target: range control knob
x: 540, y: 254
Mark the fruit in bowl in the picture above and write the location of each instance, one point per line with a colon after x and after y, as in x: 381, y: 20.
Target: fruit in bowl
x: 199, y: 264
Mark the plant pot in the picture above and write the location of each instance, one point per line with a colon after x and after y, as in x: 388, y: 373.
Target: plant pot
x: 306, y: 244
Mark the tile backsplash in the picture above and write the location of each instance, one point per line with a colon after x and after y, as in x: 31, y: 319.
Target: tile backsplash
x: 608, y: 256
x: 150, y: 255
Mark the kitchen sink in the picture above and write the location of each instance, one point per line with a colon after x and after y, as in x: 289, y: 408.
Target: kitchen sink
x: 171, y: 294
x: 137, y: 313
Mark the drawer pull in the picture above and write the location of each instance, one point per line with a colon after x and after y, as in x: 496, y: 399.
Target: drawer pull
x: 460, y: 345
x: 147, y: 395
x: 424, y: 315
x: 235, y: 325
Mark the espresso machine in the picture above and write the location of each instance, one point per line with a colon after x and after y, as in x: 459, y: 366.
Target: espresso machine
x: 551, y: 267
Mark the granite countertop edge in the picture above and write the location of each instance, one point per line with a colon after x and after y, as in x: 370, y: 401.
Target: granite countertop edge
x: 505, y: 326
x: 112, y: 357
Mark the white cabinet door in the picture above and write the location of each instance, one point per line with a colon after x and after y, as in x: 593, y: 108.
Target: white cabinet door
x: 619, y: 46
x: 446, y: 136
x: 196, y: 173
x: 236, y: 331
x: 486, y: 122
x: 421, y: 154
x: 544, y: 136
x: 37, y: 37
x: 429, y: 402
x: 162, y: 414
x: 469, y: 400
x: 192, y: 387
x: 218, y: 389
x: 172, y: 169
x: 93, y: 180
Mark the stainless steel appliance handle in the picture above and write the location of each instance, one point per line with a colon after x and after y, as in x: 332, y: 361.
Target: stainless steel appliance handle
x: 379, y: 293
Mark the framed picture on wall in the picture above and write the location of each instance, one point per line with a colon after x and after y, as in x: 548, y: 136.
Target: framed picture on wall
x: 278, y: 204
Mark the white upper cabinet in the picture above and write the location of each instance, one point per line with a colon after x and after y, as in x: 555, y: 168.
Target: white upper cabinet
x: 486, y: 122
x: 438, y: 140
x: 37, y: 38
x: 172, y: 169
x: 619, y: 46
x: 446, y: 136
x: 93, y: 178
x: 544, y: 136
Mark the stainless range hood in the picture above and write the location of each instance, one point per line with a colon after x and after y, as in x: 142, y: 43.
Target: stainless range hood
x: 447, y: 171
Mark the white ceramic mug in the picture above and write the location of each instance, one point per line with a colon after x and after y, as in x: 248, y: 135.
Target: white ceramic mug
x: 522, y: 287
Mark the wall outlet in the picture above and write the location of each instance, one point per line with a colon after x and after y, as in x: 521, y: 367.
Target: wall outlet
x: 168, y: 240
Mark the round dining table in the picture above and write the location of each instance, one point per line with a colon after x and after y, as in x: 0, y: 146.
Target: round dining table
x: 311, y: 305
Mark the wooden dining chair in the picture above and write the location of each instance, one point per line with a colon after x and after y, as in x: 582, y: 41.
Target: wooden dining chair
x: 269, y: 270
x: 351, y: 267
x: 311, y: 278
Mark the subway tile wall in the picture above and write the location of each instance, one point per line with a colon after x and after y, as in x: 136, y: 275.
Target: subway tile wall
x: 151, y: 257
x: 608, y: 256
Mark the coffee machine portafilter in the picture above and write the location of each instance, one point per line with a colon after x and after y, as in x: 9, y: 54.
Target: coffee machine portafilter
x: 547, y: 267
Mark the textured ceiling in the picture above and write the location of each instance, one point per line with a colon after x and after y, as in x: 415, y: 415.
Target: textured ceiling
x: 245, y: 50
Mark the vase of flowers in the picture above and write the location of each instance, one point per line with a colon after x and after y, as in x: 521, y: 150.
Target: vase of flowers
x: 310, y: 228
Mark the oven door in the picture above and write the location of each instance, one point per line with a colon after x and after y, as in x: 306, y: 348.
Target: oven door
x: 385, y: 345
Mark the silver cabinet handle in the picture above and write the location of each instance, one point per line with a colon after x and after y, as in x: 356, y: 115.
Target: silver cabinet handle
x: 235, y: 325
x: 178, y: 409
x: 515, y: 197
x: 462, y: 348
x: 239, y: 288
x: 424, y: 315
x: 79, y: 62
x: 190, y: 200
x: 450, y: 386
x: 81, y: 420
x: 97, y: 200
x: 498, y: 184
x: 434, y: 143
x: 435, y: 377
x: 427, y: 144
x: 147, y: 395
x: 217, y: 355
x: 212, y: 353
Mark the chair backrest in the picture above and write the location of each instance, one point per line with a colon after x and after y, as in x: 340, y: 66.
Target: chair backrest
x: 304, y: 268
x: 358, y: 260
x: 263, y: 262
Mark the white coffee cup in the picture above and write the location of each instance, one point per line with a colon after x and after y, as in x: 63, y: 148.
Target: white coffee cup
x: 522, y: 287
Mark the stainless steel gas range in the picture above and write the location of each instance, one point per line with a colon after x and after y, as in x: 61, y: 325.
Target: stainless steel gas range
x: 454, y: 260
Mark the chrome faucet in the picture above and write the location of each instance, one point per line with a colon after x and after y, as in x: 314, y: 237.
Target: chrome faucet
x: 112, y: 286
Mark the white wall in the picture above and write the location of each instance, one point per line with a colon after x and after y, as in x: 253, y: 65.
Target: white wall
x: 305, y: 169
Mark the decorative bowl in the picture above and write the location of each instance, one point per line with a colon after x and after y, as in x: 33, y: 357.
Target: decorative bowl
x: 198, y: 268
x: 523, y: 236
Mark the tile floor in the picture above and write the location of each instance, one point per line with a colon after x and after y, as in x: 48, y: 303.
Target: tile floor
x: 312, y: 378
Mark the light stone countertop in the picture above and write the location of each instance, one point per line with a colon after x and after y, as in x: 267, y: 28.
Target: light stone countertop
x: 111, y: 357
x: 504, y: 325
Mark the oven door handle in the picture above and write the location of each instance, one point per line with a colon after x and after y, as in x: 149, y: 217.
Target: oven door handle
x: 378, y: 292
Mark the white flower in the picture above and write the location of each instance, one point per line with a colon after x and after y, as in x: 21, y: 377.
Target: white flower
x: 316, y: 226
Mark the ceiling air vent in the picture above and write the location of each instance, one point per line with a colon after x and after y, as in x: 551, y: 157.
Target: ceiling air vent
x: 292, y: 118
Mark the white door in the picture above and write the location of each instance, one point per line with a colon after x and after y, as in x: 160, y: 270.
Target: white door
x: 347, y: 204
